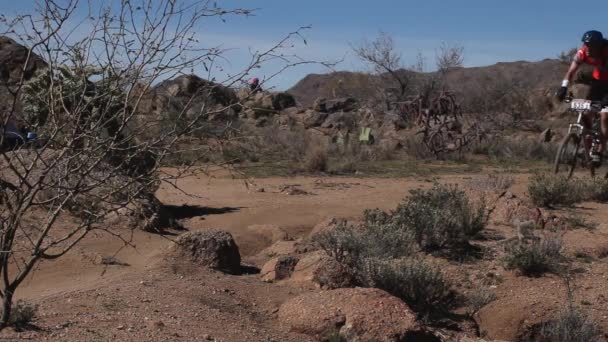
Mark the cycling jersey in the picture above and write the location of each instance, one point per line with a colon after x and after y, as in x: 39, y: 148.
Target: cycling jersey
x: 600, y: 63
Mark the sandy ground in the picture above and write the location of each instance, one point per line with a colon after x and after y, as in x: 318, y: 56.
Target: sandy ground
x: 149, y: 300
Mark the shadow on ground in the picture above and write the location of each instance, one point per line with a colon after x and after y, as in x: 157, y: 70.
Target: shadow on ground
x: 181, y: 212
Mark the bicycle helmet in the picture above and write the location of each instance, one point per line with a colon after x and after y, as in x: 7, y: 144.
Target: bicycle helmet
x: 592, y: 38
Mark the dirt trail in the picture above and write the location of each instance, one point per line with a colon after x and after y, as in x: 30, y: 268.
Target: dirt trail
x: 228, y: 204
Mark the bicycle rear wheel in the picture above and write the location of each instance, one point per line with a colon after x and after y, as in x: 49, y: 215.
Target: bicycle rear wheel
x: 567, y: 155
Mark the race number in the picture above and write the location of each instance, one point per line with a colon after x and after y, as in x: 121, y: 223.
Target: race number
x: 580, y: 105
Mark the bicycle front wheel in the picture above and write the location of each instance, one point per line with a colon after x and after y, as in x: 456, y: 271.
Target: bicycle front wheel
x: 567, y: 155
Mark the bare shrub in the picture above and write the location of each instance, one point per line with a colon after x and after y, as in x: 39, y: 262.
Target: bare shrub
x: 567, y: 56
x: 316, y: 159
x: 491, y: 182
x: 448, y: 57
x: 535, y: 257
x: 509, y: 149
x: 382, y: 55
x: 274, y: 142
x: 417, y: 283
x: 414, y: 146
x: 441, y: 217
x: 571, y: 325
x: 548, y: 190
x: 23, y: 313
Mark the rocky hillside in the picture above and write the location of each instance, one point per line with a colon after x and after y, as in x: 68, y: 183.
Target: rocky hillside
x: 471, y: 84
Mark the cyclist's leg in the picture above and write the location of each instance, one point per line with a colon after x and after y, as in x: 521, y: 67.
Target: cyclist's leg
x: 595, y: 93
x: 604, y: 132
x: 604, y: 118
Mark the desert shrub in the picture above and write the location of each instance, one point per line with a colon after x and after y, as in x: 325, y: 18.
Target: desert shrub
x: 275, y: 142
x: 536, y: 257
x: 491, y: 182
x: 336, y: 337
x: 238, y: 154
x: 573, y: 326
x: 350, y: 245
x: 440, y: 217
x: 549, y: 190
x: 416, y: 282
x: 415, y: 147
x: 598, y: 189
x: 578, y: 221
x: 382, y: 254
x: 510, y: 149
x: 479, y: 299
x: 23, y: 313
x: 316, y: 159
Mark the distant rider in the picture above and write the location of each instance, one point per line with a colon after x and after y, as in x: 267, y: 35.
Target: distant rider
x: 254, y: 85
x: 593, y: 52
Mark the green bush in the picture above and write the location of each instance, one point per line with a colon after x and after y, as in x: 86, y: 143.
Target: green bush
x: 572, y: 326
x: 417, y: 283
x: 550, y: 190
x: 536, y: 257
x: 350, y: 245
x: 441, y: 217
x: 382, y: 255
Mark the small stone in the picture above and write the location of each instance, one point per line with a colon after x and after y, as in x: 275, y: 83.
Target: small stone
x: 120, y: 327
x: 156, y: 325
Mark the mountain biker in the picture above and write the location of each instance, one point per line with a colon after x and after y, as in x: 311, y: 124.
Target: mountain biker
x: 593, y: 52
x: 254, y: 85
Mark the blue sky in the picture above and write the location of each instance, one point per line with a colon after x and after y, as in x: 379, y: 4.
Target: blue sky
x: 490, y: 30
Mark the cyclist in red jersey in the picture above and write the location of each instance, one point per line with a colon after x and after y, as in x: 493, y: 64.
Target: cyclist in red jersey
x: 593, y: 52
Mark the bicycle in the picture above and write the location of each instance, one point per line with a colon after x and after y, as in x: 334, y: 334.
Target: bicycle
x: 569, y: 153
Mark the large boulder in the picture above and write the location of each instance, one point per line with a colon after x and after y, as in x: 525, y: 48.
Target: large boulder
x: 190, y: 95
x: 346, y: 104
x: 330, y: 274
x: 360, y: 314
x: 265, y: 103
x: 13, y: 59
x: 211, y: 248
x: 340, y: 120
x: 17, y: 62
x: 282, y: 101
x: 312, y: 119
x: 279, y: 268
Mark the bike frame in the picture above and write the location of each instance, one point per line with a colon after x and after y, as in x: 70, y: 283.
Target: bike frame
x: 577, y: 127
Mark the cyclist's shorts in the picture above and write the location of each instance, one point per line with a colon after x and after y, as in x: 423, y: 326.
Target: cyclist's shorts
x: 599, y: 92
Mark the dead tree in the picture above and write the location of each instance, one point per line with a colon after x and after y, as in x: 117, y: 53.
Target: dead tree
x: 97, y: 156
x: 382, y: 55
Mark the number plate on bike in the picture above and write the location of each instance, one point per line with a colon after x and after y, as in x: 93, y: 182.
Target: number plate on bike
x: 580, y: 105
